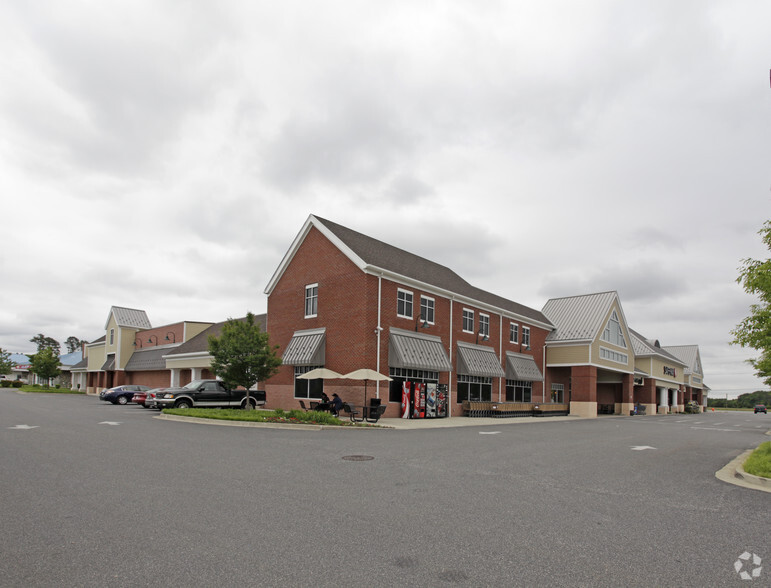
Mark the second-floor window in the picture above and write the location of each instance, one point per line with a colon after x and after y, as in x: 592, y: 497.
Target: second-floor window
x: 468, y: 320
x: 526, y: 336
x: 404, y: 303
x: 513, y: 333
x: 427, y: 309
x: 112, y: 336
x: 311, y: 300
x: 484, y: 325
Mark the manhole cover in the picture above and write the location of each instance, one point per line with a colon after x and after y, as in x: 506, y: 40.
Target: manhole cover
x: 357, y: 457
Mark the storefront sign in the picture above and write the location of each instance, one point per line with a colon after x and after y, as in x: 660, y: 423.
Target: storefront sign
x: 669, y: 371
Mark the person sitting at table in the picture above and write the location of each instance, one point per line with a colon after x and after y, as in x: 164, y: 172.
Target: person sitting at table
x: 324, y: 398
x: 337, y: 404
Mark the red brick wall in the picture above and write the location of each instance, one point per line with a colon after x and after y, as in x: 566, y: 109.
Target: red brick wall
x: 584, y: 383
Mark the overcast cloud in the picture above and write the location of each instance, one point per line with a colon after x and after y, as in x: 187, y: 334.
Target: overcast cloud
x: 163, y: 155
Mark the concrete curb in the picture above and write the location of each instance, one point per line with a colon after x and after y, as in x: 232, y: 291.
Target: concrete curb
x: 293, y: 426
x: 734, y: 473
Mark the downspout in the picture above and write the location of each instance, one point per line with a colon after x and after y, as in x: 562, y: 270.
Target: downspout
x: 449, y: 375
x: 378, y: 329
x: 500, y: 348
x: 543, y: 386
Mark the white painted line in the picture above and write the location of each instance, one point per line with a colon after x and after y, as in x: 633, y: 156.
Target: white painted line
x: 714, y: 429
x: 24, y: 427
x: 110, y: 423
x: 641, y: 447
x: 489, y: 432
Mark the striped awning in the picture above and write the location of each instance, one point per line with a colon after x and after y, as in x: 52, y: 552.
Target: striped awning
x: 109, y: 364
x: 478, y: 360
x: 417, y: 351
x: 306, y: 348
x: 522, y: 367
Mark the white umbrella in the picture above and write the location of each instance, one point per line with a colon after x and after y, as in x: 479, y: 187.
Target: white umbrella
x: 366, y: 374
x: 322, y: 373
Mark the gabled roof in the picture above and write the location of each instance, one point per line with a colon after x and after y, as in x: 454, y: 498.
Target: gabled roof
x: 647, y: 347
x: 580, y: 318
x: 129, y: 317
x: 376, y: 257
x: 71, y: 358
x: 200, y: 343
x: 689, y: 355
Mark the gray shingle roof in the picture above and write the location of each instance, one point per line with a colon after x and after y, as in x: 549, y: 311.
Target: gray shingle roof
x: 578, y: 318
x: 398, y: 261
x: 200, y: 343
x: 148, y: 359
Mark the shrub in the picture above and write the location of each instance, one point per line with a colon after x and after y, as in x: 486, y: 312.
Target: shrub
x: 5, y: 383
x: 17, y: 384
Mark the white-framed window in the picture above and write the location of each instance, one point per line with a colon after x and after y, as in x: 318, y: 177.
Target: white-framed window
x: 611, y: 355
x: 311, y: 300
x: 613, y: 333
x: 307, y: 389
x: 475, y: 388
x: 526, y: 336
x: 112, y: 336
x: 404, y: 303
x: 513, y: 333
x: 427, y: 309
x: 558, y: 393
x: 484, y: 325
x: 519, y: 391
x: 468, y: 320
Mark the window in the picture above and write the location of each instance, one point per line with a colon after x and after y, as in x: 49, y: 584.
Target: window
x: 526, y: 336
x: 613, y: 333
x: 513, y: 333
x: 427, y: 309
x: 519, y: 391
x: 611, y: 355
x: 311, y: 300
x: 484, y: 325
x: 474, y: 388
x: 404, y: 303
x: 558, y: 393
x: 401, y: 375
x: 112, y: 336
x: 468, y: 320
x: 307, y: 388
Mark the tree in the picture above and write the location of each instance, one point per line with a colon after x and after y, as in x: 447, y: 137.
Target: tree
x: 45, y: 364
x: 242, y: 354
x: 6, y: 365
x: 44, y: 342
x: 755, y: 330
x: 73, y: 344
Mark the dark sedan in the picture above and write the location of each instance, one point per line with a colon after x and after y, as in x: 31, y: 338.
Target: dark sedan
x: 760, y: 408
x: 123, y: 394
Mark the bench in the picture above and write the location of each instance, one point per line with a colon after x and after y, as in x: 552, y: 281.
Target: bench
x: 353, y: 413
x: 372, y: 414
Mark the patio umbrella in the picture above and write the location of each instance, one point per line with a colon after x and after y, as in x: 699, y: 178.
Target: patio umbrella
x: 366, y: 374
x: 322, y: 373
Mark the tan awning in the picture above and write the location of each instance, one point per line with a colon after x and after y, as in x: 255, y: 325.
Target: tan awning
x: 417, y: 351
x: 306, y: 348
x: 478, y: 360
x: 522, y: 367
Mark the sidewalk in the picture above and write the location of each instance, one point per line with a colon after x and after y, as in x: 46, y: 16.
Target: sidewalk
x: 459, y: 421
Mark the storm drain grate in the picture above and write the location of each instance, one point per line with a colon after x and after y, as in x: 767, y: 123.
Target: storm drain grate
x: 358, y: 457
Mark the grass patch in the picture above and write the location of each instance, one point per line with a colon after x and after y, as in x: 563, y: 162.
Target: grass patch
x: 759, y: 461
x: 264, y: 416
x: 49, y: 390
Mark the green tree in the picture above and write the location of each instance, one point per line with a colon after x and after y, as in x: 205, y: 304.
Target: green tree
x: 6, y: 365
x: 45, y: 364
x: 44, y: 342
x: 755, y: 330
x: 73, y: 344
x: 242, y: 354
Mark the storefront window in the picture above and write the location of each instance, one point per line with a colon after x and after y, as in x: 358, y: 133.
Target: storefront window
x: 474, y: 388
x: 519, y: 391
x: 401, y: 375
x: 307, y: 388
x: 558, y: 393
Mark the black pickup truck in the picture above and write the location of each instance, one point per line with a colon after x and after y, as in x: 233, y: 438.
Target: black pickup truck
x: 206, y: 394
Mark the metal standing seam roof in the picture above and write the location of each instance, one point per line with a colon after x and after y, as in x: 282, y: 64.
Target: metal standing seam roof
x: 687, y: 354
x: 381, y: 255
x: 306, y: 348
x: 129, y: 317
x: 148, y: 359
x: 417, y: 351
x: 478, y: 360
x: 578, y: 318
x: 522, y: 367
x: 644, y: 347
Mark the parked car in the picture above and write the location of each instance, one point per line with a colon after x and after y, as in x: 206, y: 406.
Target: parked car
x: 122, y: 394
x: 146, y: 399
x: 760, y: 408
x: 207, y: 394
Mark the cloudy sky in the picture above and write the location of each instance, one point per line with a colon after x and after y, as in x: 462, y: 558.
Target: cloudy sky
x: 163, y: 155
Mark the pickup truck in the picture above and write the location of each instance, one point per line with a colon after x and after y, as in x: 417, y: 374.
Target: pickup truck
x: 206, y: 394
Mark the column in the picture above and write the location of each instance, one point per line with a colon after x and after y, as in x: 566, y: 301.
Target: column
x: 663, y: 400
x: 196, y: 373
x: 174, y: 377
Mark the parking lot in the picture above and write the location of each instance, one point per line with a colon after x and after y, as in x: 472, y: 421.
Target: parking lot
x: 106, y: 495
